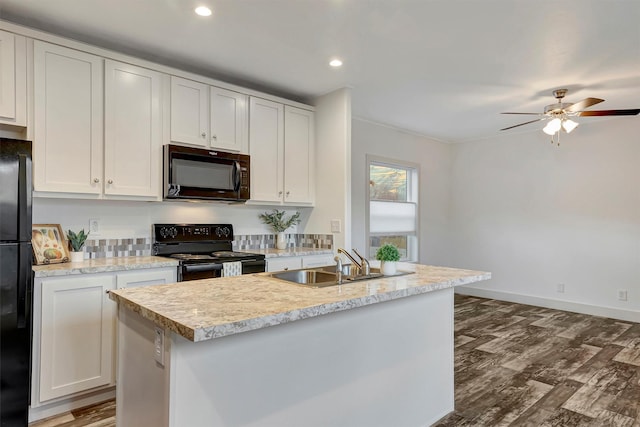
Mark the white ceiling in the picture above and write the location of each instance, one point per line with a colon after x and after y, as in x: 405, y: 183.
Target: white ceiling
x: 441, y: 68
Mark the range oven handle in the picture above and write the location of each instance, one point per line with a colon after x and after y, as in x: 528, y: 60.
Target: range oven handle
x: 237, y: 176
x: 194, y: 268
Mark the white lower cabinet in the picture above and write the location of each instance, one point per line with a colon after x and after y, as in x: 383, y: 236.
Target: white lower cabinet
x: 76, y: 334
x: 74, y: 324
x: 298, y: 262
x: 284, y: 263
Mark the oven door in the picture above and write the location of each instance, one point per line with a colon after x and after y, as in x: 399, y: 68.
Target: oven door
x: 253, y: 266
x: 199, y: 271
x: 192, y: 173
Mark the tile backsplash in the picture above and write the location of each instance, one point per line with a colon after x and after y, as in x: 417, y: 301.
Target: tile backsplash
x: 141, y: 246
x: 110, y: 248
x: 266, y: 241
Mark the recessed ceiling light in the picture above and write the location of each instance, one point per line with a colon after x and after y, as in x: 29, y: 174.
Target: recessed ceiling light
x: 335, y: 63
x: 203, y: 11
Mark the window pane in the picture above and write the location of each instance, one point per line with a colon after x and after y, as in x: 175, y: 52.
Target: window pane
x: 387, y: 183
x: 391, y: 217
x: 399, y: 241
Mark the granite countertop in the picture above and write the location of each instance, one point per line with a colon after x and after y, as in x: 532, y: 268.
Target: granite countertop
x: 102, y: 265
x: 273, y: 253
x: 200, y: 310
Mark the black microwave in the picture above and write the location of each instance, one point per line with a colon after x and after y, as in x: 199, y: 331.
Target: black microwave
x: 205, y: 174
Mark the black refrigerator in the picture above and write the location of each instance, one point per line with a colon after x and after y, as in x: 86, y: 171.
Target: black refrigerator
x: 16, y: 285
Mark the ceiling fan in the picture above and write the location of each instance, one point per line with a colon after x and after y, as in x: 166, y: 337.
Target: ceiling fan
x: 560, y: 114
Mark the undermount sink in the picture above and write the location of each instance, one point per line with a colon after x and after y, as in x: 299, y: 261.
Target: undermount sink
x: 308, y: 277
x: 322, y: 277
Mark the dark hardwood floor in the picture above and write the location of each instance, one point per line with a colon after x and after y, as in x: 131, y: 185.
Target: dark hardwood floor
x: 518, y: 365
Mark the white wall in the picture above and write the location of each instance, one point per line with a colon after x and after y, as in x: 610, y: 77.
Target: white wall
x: 333, y: 166
x: 434, y: 159
x: 124, y: 219
x: 537, y: 215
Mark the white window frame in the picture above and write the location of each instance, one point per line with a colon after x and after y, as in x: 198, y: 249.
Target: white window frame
x: 413, y: 183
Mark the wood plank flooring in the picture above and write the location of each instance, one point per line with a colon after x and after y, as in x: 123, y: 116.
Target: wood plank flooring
x: 517, y: 365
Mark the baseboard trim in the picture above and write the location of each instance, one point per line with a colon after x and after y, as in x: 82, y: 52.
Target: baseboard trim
x: 70, y: 404
x: 594, y: 310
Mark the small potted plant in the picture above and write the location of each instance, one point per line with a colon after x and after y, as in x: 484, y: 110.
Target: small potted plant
x: 277, y: 220
x: 76, y: 242
x: 388, y: 255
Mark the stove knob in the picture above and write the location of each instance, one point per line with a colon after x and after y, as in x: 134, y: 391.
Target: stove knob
x: 173, y: 232
x: 164, y: 232
x: 226, y: 231
x: 218, y: 231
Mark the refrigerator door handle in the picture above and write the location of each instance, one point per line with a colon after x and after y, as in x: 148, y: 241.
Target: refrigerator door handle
x: 24, y: 282
x: 24, y: 199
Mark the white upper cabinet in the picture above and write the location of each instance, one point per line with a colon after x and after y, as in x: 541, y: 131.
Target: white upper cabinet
x: 208, y: 116
x: 13, y: 79
x: 282, y: 147
x: 68, y: 118
x: 133, y: 130
x: 229, y: 120
x: 189, y: 112
x: 266, y: 148
x: 299, y: 159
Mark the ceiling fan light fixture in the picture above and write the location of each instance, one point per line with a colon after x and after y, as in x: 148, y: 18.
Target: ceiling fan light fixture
x: 203, y: 11
x: 552, y: 127
x: 568, y: 125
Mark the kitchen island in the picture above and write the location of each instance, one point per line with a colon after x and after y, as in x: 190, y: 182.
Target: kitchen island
x: 256, y: 351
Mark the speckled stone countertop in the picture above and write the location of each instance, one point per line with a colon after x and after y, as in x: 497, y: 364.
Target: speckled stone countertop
x: 274, y: 253
x: 103, y: 265
x: 211, y: 308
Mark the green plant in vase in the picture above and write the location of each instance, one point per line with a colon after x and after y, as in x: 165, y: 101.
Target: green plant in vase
x: 388, y: 255
x: 76, y: 243
x: 280, y: 223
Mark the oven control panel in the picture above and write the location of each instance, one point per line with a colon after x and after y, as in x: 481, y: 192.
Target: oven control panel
x: 165, y: 233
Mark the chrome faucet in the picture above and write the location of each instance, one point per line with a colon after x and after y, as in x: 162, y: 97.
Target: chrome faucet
x: 365, y: 268
x: 338, y: 261
x: 363, y: 265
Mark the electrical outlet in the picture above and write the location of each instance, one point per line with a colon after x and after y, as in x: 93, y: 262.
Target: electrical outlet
x: 158, y: 351
x: 336, y: 226
x: 560, y: 288
x: 622, y: 294
x: 94, y: 226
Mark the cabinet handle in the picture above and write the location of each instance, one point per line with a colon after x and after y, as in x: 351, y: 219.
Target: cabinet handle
x: 110, y: 181
x: 96, y: 180
x: 204, y: 134
x: 286, y: 268
x: 279, y: 193
x: 214, y: 137
x: 288, y: 193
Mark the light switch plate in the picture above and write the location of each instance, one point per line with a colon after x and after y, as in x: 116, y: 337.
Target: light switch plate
x: 158, y: 351
x: 336, y: 226
x: 94, y: 226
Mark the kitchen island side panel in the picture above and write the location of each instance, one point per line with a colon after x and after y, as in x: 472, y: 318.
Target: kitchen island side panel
x: 380, y: 365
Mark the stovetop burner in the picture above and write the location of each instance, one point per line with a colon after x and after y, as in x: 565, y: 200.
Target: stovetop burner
x: 193, y: 257
x: 229, y: 254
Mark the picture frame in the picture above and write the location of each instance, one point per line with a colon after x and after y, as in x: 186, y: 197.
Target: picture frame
x: 49, y: 244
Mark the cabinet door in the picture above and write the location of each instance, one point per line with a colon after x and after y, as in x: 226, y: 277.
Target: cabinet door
x: 189, y: 112
x: 68, y: 141
x: 13, y: 79
x: 228, y: 120
x: 313, y: 261
x: 133, y: 130
x: 76, y: 334
x: 299, y: 156
x: 284, y: 263
x: 146, y: 278
x: 266, y: 144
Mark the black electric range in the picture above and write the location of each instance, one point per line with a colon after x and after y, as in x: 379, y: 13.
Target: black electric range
x: 202, y: 250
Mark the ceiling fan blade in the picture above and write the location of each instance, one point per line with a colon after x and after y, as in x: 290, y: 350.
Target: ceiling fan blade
x: 525, y: 123
x: 529, y: 114
x: 581, y: 105
x: 630, y: 112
